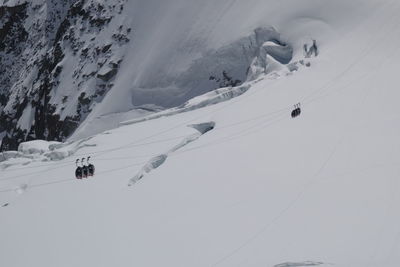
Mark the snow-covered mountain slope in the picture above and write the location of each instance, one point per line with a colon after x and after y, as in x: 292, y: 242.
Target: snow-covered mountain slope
x: 230, y: 183
x: 64, y: 63
x: 182, y: 48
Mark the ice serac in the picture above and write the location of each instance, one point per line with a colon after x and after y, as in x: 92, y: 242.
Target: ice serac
x: 225, y: 66
x: 70, y: 63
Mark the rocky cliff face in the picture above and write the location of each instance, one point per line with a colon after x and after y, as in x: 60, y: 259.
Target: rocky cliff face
x: 58, y: 58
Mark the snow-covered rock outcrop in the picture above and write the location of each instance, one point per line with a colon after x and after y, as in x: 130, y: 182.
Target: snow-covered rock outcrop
x: 57, y: 59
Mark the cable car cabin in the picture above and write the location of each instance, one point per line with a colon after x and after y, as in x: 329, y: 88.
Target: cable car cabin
x: 296, y: 111
x: 84, y: 171
x: 78, y: 172
x: 90, y: 169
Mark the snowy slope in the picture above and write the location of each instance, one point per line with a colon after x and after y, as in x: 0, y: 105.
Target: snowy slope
x: 179, y: 44
x: 259, y: 189
x: 69, y: 64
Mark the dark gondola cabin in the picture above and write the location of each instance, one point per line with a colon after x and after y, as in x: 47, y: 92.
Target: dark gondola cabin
x: 84, y: 169
x: 90, y: 167
x: 296, y: 111
x: 78, y: 171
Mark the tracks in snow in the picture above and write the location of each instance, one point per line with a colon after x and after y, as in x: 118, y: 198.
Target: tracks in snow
x: 299, y: 264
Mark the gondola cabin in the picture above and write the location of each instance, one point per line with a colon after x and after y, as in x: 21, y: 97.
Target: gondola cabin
x: 296, y: 111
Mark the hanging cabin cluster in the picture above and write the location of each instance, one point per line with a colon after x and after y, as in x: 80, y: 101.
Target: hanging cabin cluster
x: 84, y: 170
x: 296, y: 111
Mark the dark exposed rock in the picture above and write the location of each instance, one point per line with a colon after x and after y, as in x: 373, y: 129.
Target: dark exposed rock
x: 107, y: 76
x: 99, y: 21
x: 106, y: 48
x: 3, y: 99
x: 12, y: 31
x: 32, y: 53
x: 120, y: 37
x: 225, y: 80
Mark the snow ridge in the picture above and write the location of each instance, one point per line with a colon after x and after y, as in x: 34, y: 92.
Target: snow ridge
x: 159, y: 160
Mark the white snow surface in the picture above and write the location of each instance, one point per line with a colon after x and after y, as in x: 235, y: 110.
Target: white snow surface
x: 260, y: 188
x: 36, y: 146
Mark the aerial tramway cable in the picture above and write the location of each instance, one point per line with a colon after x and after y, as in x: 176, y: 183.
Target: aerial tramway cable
x: 79, y: 171
x: 308, y: 99
x: 63, y: 163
